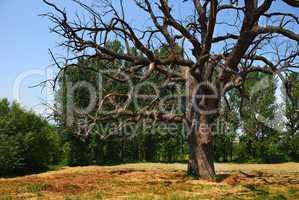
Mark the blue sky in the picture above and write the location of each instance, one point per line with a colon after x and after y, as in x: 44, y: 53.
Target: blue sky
x: 25, y: 39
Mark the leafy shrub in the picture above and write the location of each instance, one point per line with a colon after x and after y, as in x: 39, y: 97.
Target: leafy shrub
x: 27, y: 142
x: 10, y: 159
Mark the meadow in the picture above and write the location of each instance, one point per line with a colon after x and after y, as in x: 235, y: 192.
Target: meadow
x: 156, y: 181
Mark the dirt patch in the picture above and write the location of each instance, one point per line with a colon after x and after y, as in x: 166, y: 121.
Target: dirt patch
x: 125, y: 171
x: 261, y: 178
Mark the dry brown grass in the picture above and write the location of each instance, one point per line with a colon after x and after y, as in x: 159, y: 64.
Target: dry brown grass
x: 156, y: 181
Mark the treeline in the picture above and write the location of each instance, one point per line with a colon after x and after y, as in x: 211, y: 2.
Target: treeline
x: 250, y: 129
x: 118, y: 149
x: 257, y: 128
x: 261, y: 127
x: 137, y: 142
x: 28, y: 143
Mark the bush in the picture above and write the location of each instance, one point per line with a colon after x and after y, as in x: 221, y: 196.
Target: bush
x: 10, y: 159
x: 27, y: 142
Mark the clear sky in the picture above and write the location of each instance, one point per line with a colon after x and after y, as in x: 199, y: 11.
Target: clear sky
x: 25, y: 39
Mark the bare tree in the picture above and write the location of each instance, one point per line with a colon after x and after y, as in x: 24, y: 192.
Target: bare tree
x: 219, y: 44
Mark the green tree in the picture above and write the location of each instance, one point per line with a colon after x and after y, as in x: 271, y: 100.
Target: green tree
x: 28, y: 143
x: 291, y: 137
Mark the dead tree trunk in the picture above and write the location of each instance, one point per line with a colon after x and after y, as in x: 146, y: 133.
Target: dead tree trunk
x: 200, y: 138
x: 201, y: 157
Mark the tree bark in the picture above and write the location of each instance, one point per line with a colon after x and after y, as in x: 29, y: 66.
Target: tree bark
x: 200, y: 138
x: 201, y: 155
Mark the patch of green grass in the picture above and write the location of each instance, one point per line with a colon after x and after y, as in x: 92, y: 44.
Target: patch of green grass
x: 39, y: 194
x: 279, y: 197
x: 292, y: 190
x: 98, y: 195
x: 71, y: 187
x: 6, y: 197
x: 37, y: 188
x: 257, y: 189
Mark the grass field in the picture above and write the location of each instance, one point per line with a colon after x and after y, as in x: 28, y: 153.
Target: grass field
x: 156, y: 181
